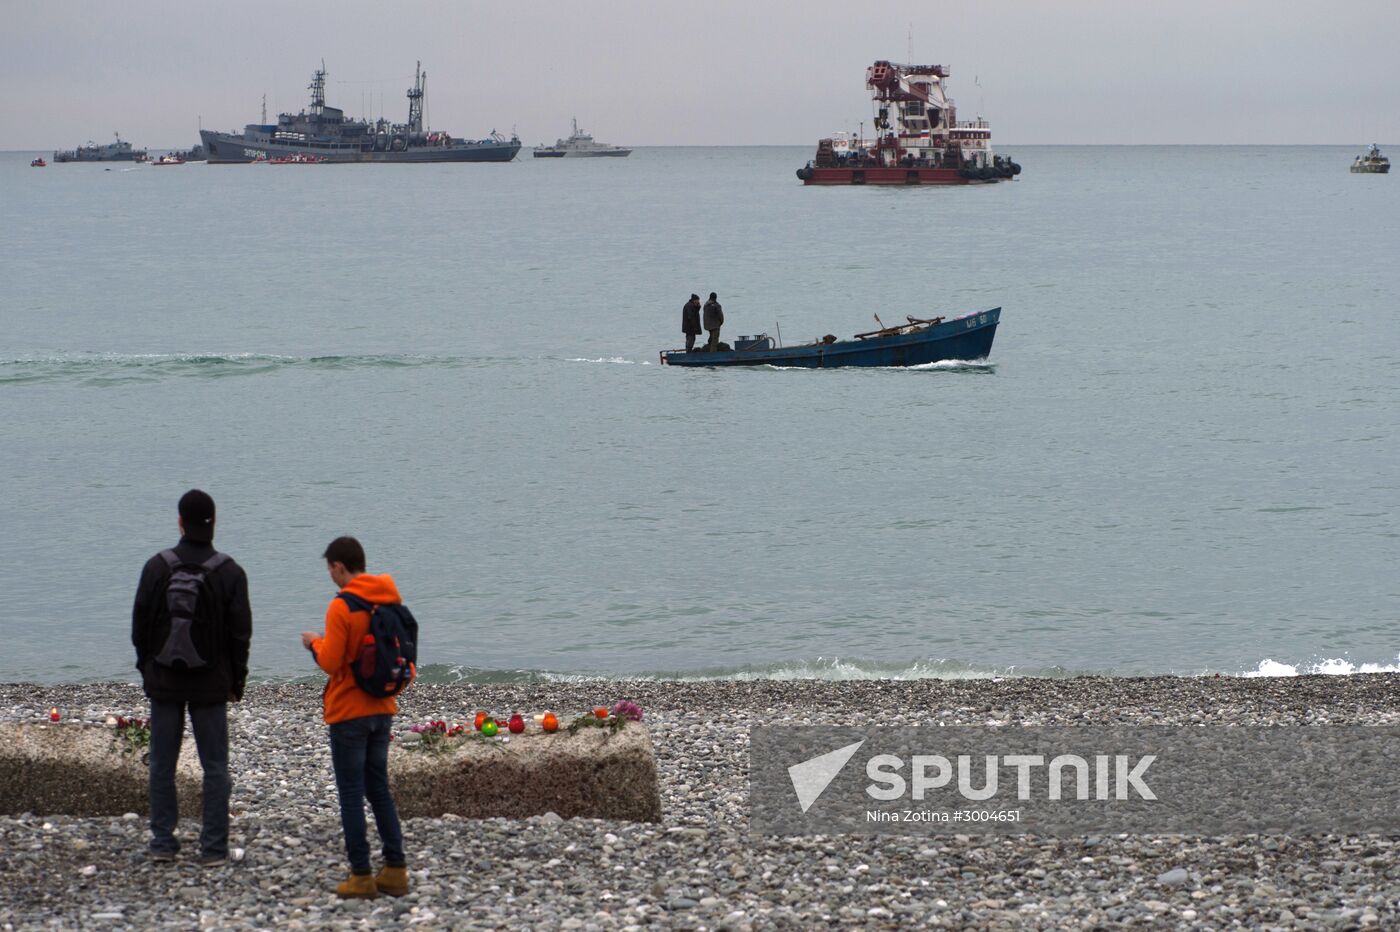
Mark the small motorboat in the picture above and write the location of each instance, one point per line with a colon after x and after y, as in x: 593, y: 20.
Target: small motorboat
x: 916, y: 343
x: 169, y: 159
x: 38, y: 163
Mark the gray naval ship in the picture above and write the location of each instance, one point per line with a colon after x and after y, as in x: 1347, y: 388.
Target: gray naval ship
x: 118, y: 151
x: 323, y: 134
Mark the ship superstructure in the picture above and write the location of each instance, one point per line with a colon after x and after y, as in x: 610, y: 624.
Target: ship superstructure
x: 324, y: 132
x: 918, y: 137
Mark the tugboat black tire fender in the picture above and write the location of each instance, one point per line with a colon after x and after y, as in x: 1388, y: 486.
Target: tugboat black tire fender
x: 804, y: 173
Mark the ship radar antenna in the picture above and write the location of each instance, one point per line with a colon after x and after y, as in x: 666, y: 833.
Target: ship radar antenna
x: 264, y: 110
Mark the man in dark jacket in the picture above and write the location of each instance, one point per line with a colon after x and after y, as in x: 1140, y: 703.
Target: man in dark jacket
x: 714, y: 319
x: 690, y: 321
x: 192, y: 652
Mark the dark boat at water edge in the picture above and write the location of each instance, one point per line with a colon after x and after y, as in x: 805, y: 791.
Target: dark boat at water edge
x: 325, y: 133
x: 917, y: 343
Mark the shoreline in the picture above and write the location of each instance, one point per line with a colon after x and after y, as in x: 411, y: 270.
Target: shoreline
x: 700, y: 867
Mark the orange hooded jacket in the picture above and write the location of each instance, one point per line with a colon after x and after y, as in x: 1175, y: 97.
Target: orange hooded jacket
x: 345, y: 631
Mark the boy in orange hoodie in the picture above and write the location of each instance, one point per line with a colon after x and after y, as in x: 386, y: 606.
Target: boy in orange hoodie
x: 359, y: 725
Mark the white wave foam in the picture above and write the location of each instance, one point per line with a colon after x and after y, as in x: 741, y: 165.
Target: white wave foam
x: 615, y: 360
x: 955, y: 364
x: 1334, y: 666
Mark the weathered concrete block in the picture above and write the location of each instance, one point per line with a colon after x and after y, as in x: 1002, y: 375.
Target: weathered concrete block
x: 78, y: 769
x: 593, y: 774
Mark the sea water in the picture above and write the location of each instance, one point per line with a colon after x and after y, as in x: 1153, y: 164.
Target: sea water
x: 1180, y: 457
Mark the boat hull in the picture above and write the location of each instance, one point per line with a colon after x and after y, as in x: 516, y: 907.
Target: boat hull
x: 968, y: 337
x: 575, y: 154
x: 232, y: 149
x: 879, y: 174
x: 1370, y: 169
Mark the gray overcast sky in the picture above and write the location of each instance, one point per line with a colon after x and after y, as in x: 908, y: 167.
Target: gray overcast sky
x: 659, y: 72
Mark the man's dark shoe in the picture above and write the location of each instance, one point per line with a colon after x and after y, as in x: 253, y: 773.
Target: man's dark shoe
x: 162, y: 857
x: 213, y: 860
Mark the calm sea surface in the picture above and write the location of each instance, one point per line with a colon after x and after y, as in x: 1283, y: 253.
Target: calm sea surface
x: 1182, y: 456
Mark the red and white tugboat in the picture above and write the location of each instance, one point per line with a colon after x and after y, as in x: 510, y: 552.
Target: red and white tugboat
x: 918, y: 137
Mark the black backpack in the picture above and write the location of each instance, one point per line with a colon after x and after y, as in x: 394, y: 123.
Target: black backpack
x: 384, y: 662
x: 188, y: 629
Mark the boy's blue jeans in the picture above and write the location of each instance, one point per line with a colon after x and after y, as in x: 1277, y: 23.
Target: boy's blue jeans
x: 360, y: 756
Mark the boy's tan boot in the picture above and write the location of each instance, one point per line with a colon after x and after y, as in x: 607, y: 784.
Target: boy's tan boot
x: 392, y: 881
x: 357, y: 886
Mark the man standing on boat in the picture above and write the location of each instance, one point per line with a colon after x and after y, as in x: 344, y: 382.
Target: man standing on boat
x: 714, y: 319
x: 690, y: 321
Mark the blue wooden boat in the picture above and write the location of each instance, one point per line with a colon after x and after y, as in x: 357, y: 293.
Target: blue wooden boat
x: 913, y: 344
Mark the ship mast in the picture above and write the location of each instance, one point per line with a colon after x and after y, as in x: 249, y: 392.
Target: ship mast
x: 318, y: 91
x: 415, y: 99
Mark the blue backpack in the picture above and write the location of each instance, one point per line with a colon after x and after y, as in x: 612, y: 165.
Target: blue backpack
x: 385, y: 661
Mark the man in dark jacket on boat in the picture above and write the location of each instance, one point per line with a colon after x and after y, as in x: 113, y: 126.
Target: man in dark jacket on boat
x: 191, y: 626
x: 690, y: 321
x: 714, y: 319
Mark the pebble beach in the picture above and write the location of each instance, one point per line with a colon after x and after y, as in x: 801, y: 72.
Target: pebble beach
x: 701, y: 868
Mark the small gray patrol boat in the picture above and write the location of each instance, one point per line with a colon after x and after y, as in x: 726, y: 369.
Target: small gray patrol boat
x: 580, y: 145
x: 1372, y: 163
x: 118, y: 151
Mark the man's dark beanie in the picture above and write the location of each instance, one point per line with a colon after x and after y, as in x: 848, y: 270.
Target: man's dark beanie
x: 713, y: 296
x: 695, y: 297
x: 197, y: 515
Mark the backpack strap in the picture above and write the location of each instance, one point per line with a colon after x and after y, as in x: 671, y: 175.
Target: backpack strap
x: 172, y: 560
x: 356, y: 603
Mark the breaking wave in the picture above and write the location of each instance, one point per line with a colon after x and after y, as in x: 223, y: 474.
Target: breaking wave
x: 820, y: 669
x: 833, y: 669
x: 1327, y: 667
x: 106, y: 368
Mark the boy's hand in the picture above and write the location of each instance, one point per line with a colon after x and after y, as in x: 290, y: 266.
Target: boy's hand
x: 307, y: 637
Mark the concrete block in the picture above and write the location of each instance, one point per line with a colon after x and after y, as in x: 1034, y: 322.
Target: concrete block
x: 592, y: 774
x: 68, y: 768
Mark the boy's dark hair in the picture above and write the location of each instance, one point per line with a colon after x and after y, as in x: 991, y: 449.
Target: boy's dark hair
x: 347, y: 551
